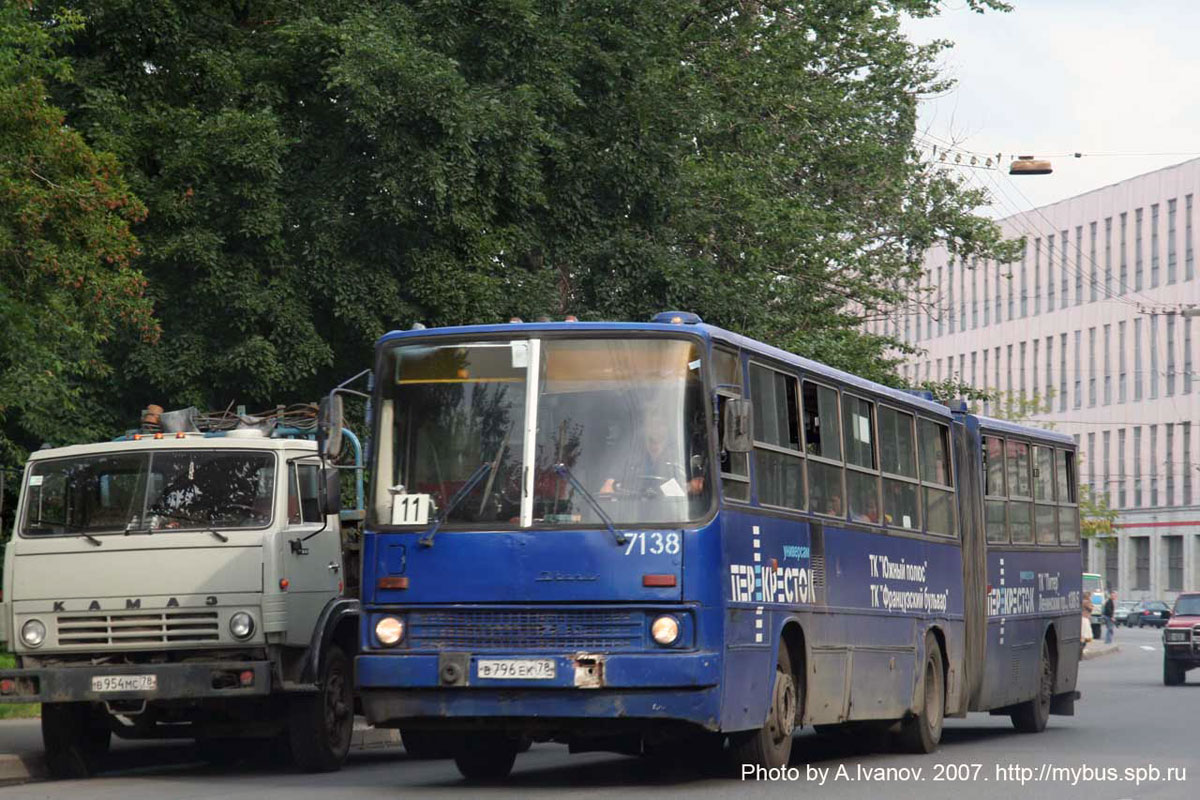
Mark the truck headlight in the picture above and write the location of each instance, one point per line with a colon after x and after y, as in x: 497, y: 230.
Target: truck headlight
x: 389, y: 631
x: 241, y: 625
x: 33, y: 633
x: 665, y: 630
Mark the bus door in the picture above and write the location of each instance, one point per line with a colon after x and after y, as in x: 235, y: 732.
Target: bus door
x: 965, y: 432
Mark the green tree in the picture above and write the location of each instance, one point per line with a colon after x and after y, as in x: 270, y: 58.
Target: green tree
x: 320, y: 172
x: 67, y: 287
x: 1096, y: 520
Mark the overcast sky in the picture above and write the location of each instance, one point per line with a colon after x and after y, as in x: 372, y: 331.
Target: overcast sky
x: 1060, y: 76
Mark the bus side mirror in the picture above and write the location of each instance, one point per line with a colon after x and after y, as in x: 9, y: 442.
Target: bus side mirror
x: 331, y: 491
x: 329, y: 426
x: 738, y: 421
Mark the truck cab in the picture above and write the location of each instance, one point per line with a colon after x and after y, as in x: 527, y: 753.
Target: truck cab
x: 1181, y: 639
x: 186, y: 585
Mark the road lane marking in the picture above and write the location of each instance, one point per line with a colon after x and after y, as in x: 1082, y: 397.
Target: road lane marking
x: 1148, y: 647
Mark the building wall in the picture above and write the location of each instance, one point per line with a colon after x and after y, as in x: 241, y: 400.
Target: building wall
x: 1121, y: 373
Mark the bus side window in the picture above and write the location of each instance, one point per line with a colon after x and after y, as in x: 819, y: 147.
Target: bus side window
x: 994, y: 502
x: 778, y: 467
x: 898, y: 460
x: 1068, y: 513
x: 937, y: 484
x: 1045, y: 523
x: 822, y: 444
x: 1020, y: 493
x: 862, y: 481
x: 735, y: 467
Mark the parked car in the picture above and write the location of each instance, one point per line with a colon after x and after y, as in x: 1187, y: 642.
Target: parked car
x: 1149, y: 612
x: 1181, y: 639
x: 1121, y: 613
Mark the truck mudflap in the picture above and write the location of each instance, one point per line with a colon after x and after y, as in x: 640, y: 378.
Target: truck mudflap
x: 150, y: 682
x: 1064, y: 704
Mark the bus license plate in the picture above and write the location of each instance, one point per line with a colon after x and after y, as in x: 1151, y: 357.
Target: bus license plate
x: 124, y: 683
x: 531, y: 669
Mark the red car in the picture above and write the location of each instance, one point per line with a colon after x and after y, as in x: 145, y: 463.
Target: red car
x: 1181, y: 639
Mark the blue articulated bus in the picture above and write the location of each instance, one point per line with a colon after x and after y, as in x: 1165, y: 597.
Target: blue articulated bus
x: 632, y: 536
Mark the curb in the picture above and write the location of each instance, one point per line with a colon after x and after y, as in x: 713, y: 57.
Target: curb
x: 1108, y: 650
x: 21, y: 769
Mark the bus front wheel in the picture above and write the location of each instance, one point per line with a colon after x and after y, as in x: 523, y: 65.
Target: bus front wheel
x: 771, y: 745
x: 921, y: 732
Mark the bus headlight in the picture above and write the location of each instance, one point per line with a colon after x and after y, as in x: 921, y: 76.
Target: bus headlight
x: 389, y: 631
x: 241, y: 625
x: 665, y: 630
x: 33, y: 633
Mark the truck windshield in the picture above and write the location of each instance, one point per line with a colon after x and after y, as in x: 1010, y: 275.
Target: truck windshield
x: 152, y: 491
x: 624, y: 417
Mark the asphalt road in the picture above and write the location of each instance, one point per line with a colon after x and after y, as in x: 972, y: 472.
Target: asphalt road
x: 1127, y: 725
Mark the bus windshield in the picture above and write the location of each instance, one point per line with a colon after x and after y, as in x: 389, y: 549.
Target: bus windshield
x: 621, y: 425
x: 156, y: 490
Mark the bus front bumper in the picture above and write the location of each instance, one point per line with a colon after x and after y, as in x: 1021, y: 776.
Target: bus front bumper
x: 100, y: 683
x: 665, y: 686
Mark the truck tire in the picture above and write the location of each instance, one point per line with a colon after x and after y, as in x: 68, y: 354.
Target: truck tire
x: 485, y: 757
x: 1032, y: 715
x: 320, y: 724
x: 771, y: 745
x: 1173, y: 672
x: 76, y: 737
x: 922, y: 732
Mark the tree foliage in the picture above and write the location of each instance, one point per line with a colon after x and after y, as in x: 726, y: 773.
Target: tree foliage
x: 317, y: 173
x: 67, y: 285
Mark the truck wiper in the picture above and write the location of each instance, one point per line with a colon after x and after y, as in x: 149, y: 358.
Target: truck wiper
x: 78, y: 530
x: 565, y: 471
x: 464, y: 490
x: 207, y: 527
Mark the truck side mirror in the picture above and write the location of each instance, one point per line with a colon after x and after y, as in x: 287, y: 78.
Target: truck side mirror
x: 329, y: 426
x: 331, y: 491
x: 739, y: 418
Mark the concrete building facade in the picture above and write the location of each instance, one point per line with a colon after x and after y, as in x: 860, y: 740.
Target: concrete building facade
x: 1091, y: 328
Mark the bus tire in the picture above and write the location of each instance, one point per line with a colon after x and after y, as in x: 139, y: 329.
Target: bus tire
x: 921, y: 732
x: 320, y: 724
x: 1173, y: 673
x: 486, y: 757
x: 771, y: 745
x: 76, y: 738
x: 1032, y: 715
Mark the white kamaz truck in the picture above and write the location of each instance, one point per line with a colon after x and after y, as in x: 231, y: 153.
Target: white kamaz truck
x: 185, y: 582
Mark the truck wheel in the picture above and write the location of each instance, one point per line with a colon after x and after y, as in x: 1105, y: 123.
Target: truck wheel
x: 922, y: 732
x: 1032, y: 715
x: 1173, y: 673
x: 771, y: 745
x: 321, y: 723
x: 76, y: 738
x: 486, y: 757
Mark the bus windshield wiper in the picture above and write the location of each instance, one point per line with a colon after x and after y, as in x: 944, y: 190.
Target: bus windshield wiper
x: 565, y: 471
x: 464, y: 490
x: 78, y: 530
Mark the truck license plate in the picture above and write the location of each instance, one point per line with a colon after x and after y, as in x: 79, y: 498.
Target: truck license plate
x: 531, y: 669
x: 124, y: 683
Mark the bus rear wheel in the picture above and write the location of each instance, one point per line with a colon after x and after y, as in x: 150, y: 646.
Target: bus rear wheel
x: 1032, y: 715
x: 771, y: 745
x: 922, y: 732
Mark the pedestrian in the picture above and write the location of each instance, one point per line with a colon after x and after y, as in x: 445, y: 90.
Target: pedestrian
x: 1085, y: 634
x: 1110, y: 608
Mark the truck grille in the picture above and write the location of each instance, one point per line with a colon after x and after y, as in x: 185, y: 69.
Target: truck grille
x: 139, y: 628
x: 526, y: 630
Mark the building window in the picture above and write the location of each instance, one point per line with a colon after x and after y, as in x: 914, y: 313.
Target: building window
x: 1008, y: 372
x: 1095, y: 281
x: 1189, y: 260
x: 1064, y: 301
x: 1037, y: 276
x: 1121, y: 476
x: 1107, y: 365
x: 1137, y: 359
x: 940, y: 304
x: 1050, y: 273
x: 1141, y: 550
x: 975, y: 295
x: 962, y: 295
x: 1091, y: 367
x: 1153, y: 466
x: 1108, y: 271
x: 1124, y: 276
x: 1079, y: 264
x: 1105, y: 455
x: 1185, y: 432
x: 1021, y: 371
x: 1137, y: 250
x: 1033, y: 371
x: 987, y: 306
x: 1062, y: 371
x: 1121, y: 361
x: 1049, y: 372
x: 1079, y: 376
x: 1112, y: 572
x: 1154, y: 245
x: 1169, y: 463
x: 1171, y: 240
x: 1171, y: 356
x: 1153, y: 376
x: 1137, y: 466
x: 1093, y: 478
x: 1187, y: 355
x: 948, y: 311
x: 999, y: 269
x: 1174, y: 563
x: 974, y: 359
x: 1011, y: 290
